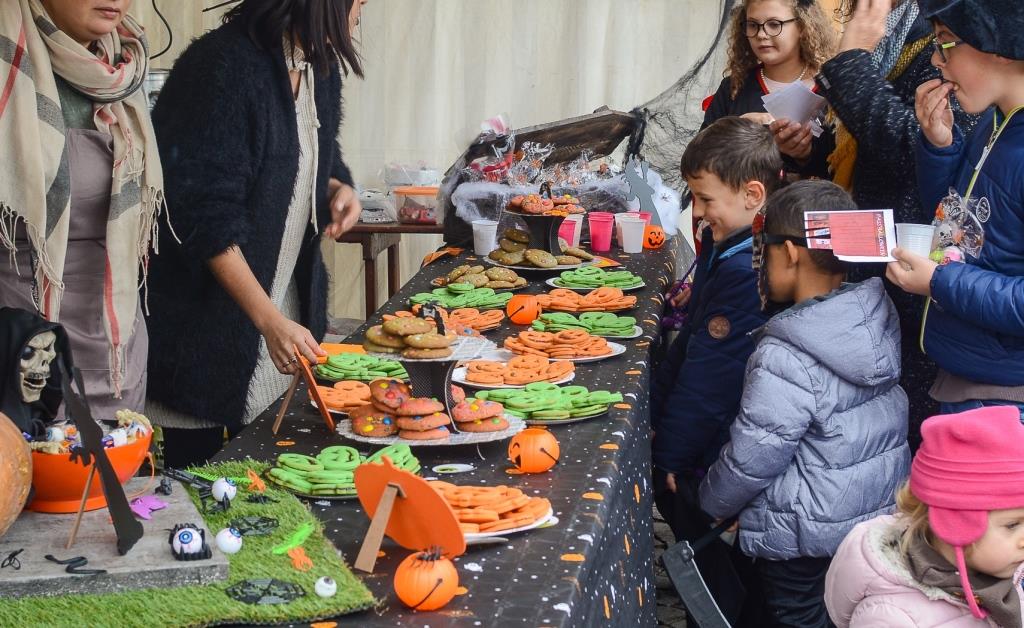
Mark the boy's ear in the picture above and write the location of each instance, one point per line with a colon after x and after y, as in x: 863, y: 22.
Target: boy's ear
x: 755, y: 195
x: 792, y: 253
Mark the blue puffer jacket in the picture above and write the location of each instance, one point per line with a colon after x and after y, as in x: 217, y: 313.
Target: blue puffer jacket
x: 695, y: 392
x: 975, y: 324
x: 820, y: 443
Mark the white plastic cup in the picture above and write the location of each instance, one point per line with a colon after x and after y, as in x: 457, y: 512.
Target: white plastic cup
x: 632, y: 234
x: 485, y: 236
x: 618, y: 224
x: 915, y: 238
x: 578, y: 228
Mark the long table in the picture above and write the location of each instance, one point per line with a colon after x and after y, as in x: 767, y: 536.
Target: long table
x: 595, y: 566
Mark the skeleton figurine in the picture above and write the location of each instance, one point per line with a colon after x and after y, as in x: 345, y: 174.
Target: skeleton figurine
x: 30, y: 385
x: 34, y: 365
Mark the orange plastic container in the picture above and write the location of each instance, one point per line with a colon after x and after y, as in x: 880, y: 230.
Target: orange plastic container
x: 59, y: 483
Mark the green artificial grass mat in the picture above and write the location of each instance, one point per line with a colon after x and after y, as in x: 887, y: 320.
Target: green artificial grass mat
x: 210, y: 605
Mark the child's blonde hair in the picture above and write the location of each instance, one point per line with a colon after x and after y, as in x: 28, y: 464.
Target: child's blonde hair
x: 818, y: 40
x: 916, y: 511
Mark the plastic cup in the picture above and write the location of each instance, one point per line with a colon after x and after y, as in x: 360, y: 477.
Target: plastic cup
x: 576, y: 220
x: 485, y: 236
x: 915, y: 238
x: 632, y: 234
x: 566, y: 231
x: 646, y: 216
x: 601, y: 225
x: 618, y: 224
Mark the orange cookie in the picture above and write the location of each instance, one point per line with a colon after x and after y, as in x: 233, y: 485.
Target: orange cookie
x: 440, y: 433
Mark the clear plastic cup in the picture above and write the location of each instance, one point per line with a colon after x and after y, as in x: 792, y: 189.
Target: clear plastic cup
x: 632, y: 234
x: 915, y: 238
x: 485, y: 236
x: 601, y: 226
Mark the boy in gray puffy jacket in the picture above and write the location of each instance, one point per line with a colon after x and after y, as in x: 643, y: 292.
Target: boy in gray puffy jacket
x: 820, y: 443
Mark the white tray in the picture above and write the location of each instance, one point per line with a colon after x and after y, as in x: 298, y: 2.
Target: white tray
x: 536, y: 524
x: 557, y: 268
x: 515, y: 425
x: 464, y: 348
x: 616, y: 348
x: 551, y: 281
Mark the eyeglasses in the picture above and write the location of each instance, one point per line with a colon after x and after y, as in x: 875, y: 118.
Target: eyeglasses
x: 772, y: 28
x: 942, y: 46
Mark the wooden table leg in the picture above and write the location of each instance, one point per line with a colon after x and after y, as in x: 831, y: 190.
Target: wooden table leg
x: 370, y: 273
x: 393, y: 270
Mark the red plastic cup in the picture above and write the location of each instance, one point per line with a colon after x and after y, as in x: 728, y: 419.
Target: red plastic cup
x: 646, y: 216
x: 567, y: 230
x: 601, y: 226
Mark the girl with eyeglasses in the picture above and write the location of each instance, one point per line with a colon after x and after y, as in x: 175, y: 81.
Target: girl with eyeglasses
x: 772, y: 44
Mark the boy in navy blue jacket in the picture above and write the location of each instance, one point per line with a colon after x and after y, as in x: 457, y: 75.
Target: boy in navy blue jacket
x: 731, y: 167
x: 974, y: 324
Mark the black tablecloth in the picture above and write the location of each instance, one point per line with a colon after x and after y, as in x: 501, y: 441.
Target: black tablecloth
x: 596, y: 565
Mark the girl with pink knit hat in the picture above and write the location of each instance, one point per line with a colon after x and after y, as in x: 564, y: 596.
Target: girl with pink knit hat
x: 954, y: 555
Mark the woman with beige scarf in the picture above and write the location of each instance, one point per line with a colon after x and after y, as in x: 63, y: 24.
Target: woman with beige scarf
x: 80, y: 183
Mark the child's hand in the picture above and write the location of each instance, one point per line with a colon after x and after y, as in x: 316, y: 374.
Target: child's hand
x: 792, y: 138
x: 931, y: 104
x: 733, y: 528
x: 670, y: 481
x: 682, y: 297
x: 867, y: 26
x: 911, y: 272
x: 759, y: 117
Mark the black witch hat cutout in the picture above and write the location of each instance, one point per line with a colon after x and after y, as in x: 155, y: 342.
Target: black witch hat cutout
x: 126, y: 526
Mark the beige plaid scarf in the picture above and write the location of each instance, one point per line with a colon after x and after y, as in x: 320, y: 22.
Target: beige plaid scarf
x: 35, y: 182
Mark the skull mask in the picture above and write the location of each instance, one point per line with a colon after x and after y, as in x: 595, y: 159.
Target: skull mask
x: 34, y: 365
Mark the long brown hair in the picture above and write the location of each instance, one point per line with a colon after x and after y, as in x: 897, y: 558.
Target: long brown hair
x: 321, y: 26
x: 818, y: 40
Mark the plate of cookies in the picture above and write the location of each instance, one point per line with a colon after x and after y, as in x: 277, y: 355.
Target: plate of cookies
x: 502, y: 369
x: 343, y: 397
x: 417, y: 339
x: 574, y: 345
x: 395, y: 415
x: 495, y: 278
x: 484, y: 511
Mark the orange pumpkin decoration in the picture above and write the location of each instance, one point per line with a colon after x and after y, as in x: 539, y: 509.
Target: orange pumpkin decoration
x: 534, y: 450
x: 523, y: 309
x: 426, y: 581
x: 15, y: 472
x: 654, y: 237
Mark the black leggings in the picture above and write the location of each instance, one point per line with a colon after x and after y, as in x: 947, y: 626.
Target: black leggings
x: 188, y: 447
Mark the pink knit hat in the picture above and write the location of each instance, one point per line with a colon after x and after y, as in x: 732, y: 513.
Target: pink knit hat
x: 969, y: 464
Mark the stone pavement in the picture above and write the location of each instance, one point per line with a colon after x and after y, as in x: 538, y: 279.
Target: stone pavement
x: 670, y: 608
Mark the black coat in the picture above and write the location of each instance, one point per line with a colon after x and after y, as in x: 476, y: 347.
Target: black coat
x: 226, y: 126
x: 880, y: 116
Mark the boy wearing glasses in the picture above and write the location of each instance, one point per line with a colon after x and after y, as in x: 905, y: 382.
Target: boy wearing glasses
x: 974, y: 322
x: 820, y: 441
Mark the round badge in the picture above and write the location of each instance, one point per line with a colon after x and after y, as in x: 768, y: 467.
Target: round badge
x: 718, y: 327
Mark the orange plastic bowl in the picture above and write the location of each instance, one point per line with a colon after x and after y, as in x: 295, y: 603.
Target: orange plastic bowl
x: 59, y: 483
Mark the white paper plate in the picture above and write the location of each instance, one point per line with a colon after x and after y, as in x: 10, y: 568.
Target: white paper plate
x: 340, y: 413
x: 515, y: 425
x: 636, y: 333
x: 506, y: 355
x: 565, y: 421
x: 552, y: 281
x: 459, y: 377
x: 536, y: 524
x: 558, y: 268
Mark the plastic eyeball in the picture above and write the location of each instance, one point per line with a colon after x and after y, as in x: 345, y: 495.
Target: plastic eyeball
x: 224, y: 489
x: 187, y: 541
x: 55, y: 434
x: 119, y: 436
x: 229, y: 541
x: 137, y: 430
x: 325, y: 587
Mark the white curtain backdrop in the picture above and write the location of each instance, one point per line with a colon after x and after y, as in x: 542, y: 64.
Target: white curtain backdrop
x: 436, y: 68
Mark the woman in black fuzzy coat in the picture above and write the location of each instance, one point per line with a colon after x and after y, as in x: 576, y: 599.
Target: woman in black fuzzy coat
x: 884, y: 54
x: 247, y: 125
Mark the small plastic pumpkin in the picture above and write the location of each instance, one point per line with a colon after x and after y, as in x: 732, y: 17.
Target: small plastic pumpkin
x: 426, y: 581
x: 654, y: 237
x: 534, y: 450
x: 523, y: 309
